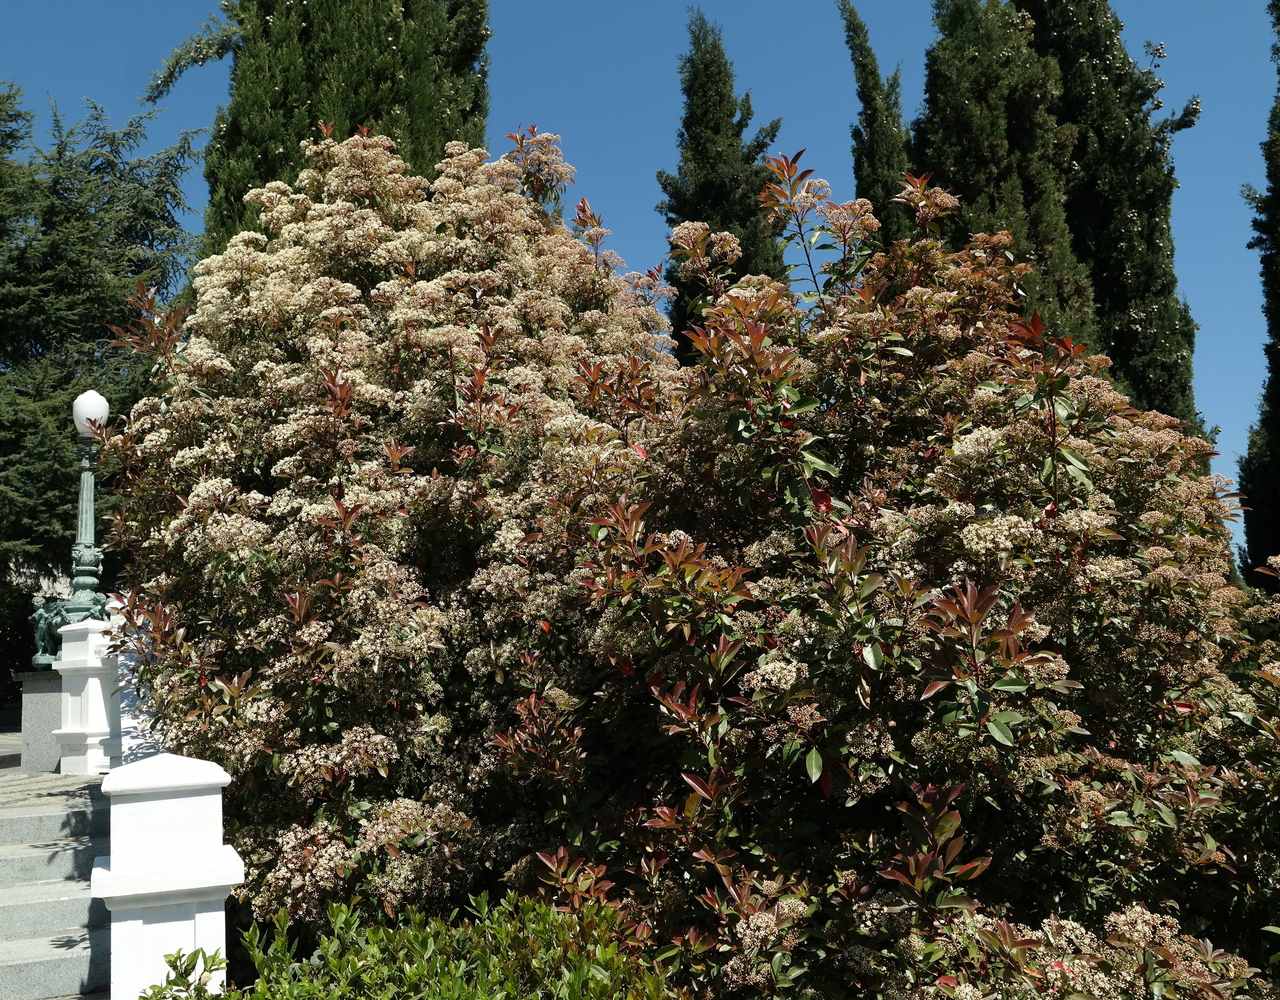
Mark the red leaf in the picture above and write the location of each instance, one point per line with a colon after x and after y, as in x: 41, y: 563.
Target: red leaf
x: 699, y: 786
x: 932, y: 688
x: 971, y: 869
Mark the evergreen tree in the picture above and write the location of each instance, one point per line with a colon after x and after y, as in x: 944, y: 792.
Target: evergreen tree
x: 1120, y: 197
x: 81, y: 223
x: 721, y: 171
x: 987, y: 133
x: 412, y: 69
x: 879, y: 137
x: 1260, y: 466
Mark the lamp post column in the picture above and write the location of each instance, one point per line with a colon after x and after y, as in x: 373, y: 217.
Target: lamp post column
x: 86, y: 557
x: 89, y: 736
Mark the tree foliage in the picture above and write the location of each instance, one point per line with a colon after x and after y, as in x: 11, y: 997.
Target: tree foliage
x: 1120, y: 196
x: 988, y: 133
x: 82, y: 223
x: 879, y: 135
x: 720, y: 173
x: 1260, y: 465
x: 414, y: 70
x: 886, y: 650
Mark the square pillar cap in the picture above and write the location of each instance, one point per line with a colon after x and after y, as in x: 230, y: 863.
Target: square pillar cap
x: 165, y: 772
x: 85, y: 625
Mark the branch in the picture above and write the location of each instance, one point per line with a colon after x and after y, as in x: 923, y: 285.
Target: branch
x: 213, y: 41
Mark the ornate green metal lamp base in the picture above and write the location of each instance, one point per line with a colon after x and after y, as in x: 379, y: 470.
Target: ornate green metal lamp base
x: 86, y: 571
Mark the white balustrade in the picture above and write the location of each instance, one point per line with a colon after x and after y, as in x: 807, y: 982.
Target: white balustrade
x: 169, y: 873
x: 89, y: 736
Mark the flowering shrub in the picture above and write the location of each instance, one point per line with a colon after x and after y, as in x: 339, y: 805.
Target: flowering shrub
x: 887, y: 651
x: 356, y: 507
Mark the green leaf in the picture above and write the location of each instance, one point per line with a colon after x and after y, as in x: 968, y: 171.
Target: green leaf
x: 1073, y: 458
x: 814, y: 462
x: 1000, y: 732
x: 948, y: 823
x: 1080, y: 476
x: 873, y: 655
x: 813, y: 764
x: 1166, y: 814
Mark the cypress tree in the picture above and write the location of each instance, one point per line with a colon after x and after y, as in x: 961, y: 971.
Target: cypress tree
x: 412, y: 69
x: 1260, y: 466
x: 987, y: 133
x: 879, y: 137
x: 721, y: 171
x: 81, y: 224
x: 1120, y: 197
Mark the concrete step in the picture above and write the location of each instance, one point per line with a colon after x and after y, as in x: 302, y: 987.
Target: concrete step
x: 35, y: 824
x: 70, y: 962
x: 44, y: 907
x: 39, y: 807
x: 63, y: 858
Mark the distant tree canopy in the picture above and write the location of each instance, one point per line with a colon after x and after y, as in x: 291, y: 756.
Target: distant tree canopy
x: 879, y: 137
x: 721, y: 170
x: 82, y: 222
x: 1120, y: 196
x: 988, y: 134
x: 1039, y: 119
x: 1260, y: 466
x: 412, y: 69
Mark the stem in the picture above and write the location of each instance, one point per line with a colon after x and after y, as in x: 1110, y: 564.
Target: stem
x: 804, y: 245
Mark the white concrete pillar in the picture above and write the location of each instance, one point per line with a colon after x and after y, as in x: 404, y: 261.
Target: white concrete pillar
x: 169, y: 872
x: 90, y: 733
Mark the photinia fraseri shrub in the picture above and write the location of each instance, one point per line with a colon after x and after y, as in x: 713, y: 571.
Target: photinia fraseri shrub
x: 888, y: 651
x: 359, y: 500
x: 913, y: 637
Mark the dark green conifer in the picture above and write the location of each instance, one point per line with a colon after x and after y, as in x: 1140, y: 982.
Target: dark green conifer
x: 879, y: 136
x: 412, y: 69
x: 987, y: 133
x: 81, y: 224
x: 1120, y: 197
x: 1260, y: 466
x: 721, y: 173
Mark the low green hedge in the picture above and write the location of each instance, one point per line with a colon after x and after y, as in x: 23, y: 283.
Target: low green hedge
x: 520, y: 949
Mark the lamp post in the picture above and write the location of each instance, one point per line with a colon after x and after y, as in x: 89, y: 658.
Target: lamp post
x: 89, y: 737
x: 89, y: 411
x: 69, y: 722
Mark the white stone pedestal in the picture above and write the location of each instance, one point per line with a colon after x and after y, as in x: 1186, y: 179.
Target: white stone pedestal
x: 169, y: 874
x: 90, y: 733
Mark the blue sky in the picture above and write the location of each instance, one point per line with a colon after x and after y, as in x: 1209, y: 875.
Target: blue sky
x: 603, y: 74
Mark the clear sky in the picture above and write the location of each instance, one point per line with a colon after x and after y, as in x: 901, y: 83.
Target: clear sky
x: 603, y: 74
